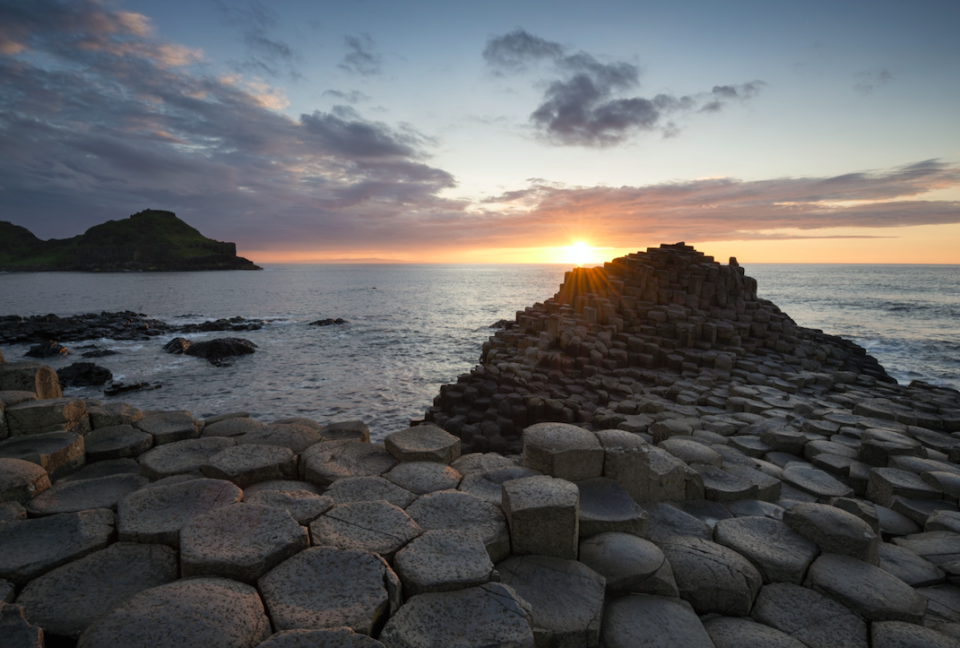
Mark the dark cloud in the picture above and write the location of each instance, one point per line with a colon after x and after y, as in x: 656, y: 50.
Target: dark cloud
x: 354, y: 96
x: 265, y: 54
x: 585, y: 106
x: 868, y: 80
x: 361, y: 57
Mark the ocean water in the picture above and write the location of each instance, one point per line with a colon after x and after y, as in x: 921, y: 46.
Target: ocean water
x: 412, y: 328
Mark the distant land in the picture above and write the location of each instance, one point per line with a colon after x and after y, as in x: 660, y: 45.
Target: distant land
x: 360, y: 260
x: 151, y: 240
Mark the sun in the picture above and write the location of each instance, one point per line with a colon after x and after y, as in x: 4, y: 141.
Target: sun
x: 579, y: 253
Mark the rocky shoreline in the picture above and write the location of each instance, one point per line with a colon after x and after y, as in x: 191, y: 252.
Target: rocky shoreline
x: 655, y: 456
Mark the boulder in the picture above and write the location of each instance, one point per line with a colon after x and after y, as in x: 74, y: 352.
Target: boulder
x: 652, y: 622
x: 31, y: 548
x: 542, y: 513
x: 734, y: 632
x: 241, y: 542
x: 31, y: 377
x: 422, y: 477
x: 193, y: 613
x: 456, y: 510
x: 83, y: 374
x: 834, y: 530
x: 562, y: 450
x: 565, y: 597
x: 55, y: 415
x: 116, y: 442
x: 327, y: 462
x: 629, y: 564
x: 245, y: 465
x: 377, y: 527
x: 303, y: 506
x: 177, y: 346
x: 113, y: 414
x: 21, y: 480
x: 181, y: 457
x: 442, y: 561
x: 217, y: 351
x: 423, y: 443
x: 58, y: 453
x: 712, y: 577
x: 809, y: 617
x: 82, y: 495
x: 167, y: 427
x: 156, y: 515
x: 605, y: 506
x: 780, y: 554
x: 326, y: 587
x: 67, y: 600
x: 369, y: 489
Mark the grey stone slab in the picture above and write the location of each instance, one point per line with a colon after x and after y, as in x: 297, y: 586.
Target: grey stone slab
x: 337, y: 638
x: 877, y: 446
x: 768, y: 487
x: 909, y: 567
x: 296, y: 438
x: 863, y: 509
x: 722, y: 486
x: 423, y: 443
x: 885, y: 483
x: 894, y: 524
x: 865, y: 589
x: 369, y: 489
x: 488, y: 485
x: 920, y: 510
x: 113, y: 415
x: 378, y: 527
x: 478, y: 462
x: 116, y: 442
x: 565, y: 597
x: 815, y: 481
x: 750, y: 445
x: 422, y: 477
x: 327, y: 462
x: 897, y: 634
x: 542, y: 513
x: 943, y: 521
x: 193, y: 613
x: 780, y: 554
x: 665, y: 480
x: 946, y: 482
x: 562, y: 450
x: 47, y: 415
x: 73, y: 496
x: 346, y: 430
x: 939, y: 547
x: 326, y: 587
x: 68, y: 599
x: 104, y: 468
x: 605, y: 506
x: 167, y: 427
x: 31, y: 548
x: 626, y: 460
x: 834, y: 531
x: 652, y: 622
x: 752, y: 508
x: 442, y: 561
x: 497, y: 617
x: 810, y: 617
x: 303, y: 506
x: 456, y: 510
x: 691, y: 452
x: 233, y: 427
x: 21, y: 480
x: 181, y: 457
x: 705, y: 510
x: 665, y: 521
x: 156, y: 515
x: 58, y: 453
x: 735, y: 632
x: 629, y: 564
x: 245, y: 465
x: 711, y: 577
x: 943, y: 603
x: 284, y: 486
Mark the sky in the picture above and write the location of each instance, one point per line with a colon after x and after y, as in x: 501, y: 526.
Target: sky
x: 495, y: 132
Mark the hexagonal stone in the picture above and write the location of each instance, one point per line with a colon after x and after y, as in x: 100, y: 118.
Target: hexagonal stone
x: 232, y: 427
x: 167, y: 427
x: 67, y: 600
x: 690, y: 451
x: 654, y: 622
x: 295, y: 437
x: 53, y: 415
x: 895, y: 524
x: 378, y: 527
x: 422, y: 477
x: 198, y: 612
x: 605, y: 506
x: 58, y: 453
x: 565, y: 596
x: 814, y: 481
x: 327, y: 462
x: 442, y: 561
x: 768, y: 487
x: 909, y: 567
x: 488, y: 485
x: 103, y: 469
x: 543, y: 514
x: 810, y: 617
x: 865, y: 589
x: 897, y: 634
x: 878, y: 446
x: 834, y: 530
x: 241, y: 542
x: 754, y: 508
x: 31, y: 548
x: 116, y: 442
x: 72, y: 496
x: 943, y: 604
x: 346, y: 430
x: 326, y: 587
x: 156, y: 515
x: 477, y: 462
x: 180, y: 457
x: 666, y: 478
x: 303, y: 506
x: 943, y: 521
x: 282, y: 485
x: 884, y: 483
x: 733, y: 632
x: 338, y: 638
x: 562, y: 450
x: 456, y: 510
x: 722, y: 486
x: 497, y: 617
x: 113, y: 415
x: 665, y: 521
x: 21, y: 480
x: 920, y: 510
x: 629, y: 564
x: 947, y: 482
x: 778, y: 552
x: 33, y: 377
x: 939, y: 547
x: 712, y: 577
x: 369, y: 489
x: 423, y: 443
x: 245, y: 465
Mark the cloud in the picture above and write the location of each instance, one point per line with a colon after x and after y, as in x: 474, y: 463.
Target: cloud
x: 361, y: 57
x: 869, y: 80
x: 354, y: 96
x: 265, y: 54
x: 583, y: 104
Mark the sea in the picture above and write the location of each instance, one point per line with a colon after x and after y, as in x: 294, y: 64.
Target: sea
x: 411, y: 328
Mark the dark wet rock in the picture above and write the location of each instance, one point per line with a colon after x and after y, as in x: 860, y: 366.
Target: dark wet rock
x: 198, y: 612
x: 810, y: 617
x: 865, y: 589
x: 326, y: 587
x: 778, y: 552
x: 83, y: 374
x: 217, y: 351
x: 67, y: 600
x: 654, y: 622
x: 48, y: 349
x: 118, y: 388
x: 99, y: 353
x: 177, y: 345
x: 328, y: 322
x: 735, y: 632
x: 712, y: 577
x: 82, y: 495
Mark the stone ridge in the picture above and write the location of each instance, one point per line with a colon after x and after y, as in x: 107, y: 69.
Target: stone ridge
x: 660, y: 322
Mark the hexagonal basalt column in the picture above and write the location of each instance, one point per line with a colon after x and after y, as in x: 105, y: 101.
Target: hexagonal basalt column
x: 377, y: 527
x: 245, y: 465
x: 543, y: 516
x: 562, y: 450
x: 423, y: 443
x: 443, y: 561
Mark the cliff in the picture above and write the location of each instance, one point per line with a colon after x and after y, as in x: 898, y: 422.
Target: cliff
x: 152, y: 240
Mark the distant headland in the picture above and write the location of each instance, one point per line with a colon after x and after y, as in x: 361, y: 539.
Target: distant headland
x: 150, y: 240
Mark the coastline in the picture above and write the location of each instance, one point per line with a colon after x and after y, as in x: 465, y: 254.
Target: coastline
x: 653, y: 412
